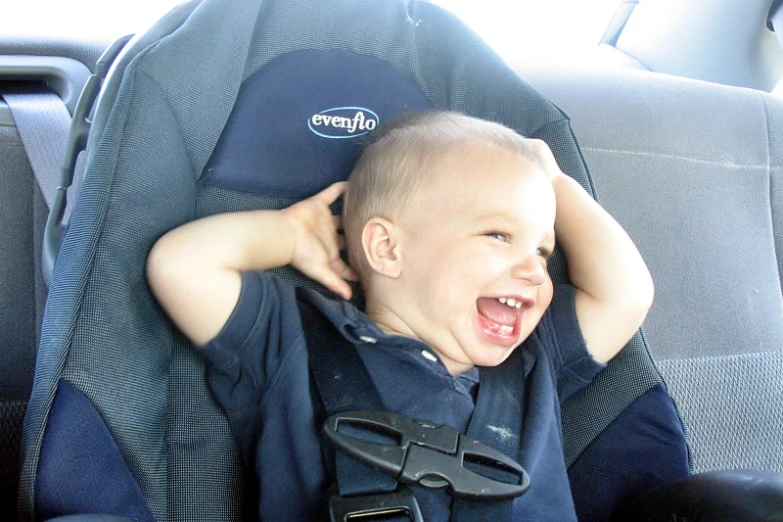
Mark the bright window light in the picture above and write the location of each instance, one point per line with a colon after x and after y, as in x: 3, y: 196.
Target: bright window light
x: 537, y: 31
x: 522, y: 31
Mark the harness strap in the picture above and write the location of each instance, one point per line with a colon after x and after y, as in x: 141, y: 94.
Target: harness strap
x: 345, y: 385
x: 497, y: 422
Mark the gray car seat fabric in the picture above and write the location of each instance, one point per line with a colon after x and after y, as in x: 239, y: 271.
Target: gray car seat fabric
x: 103, y: 332
x: 693, y: 171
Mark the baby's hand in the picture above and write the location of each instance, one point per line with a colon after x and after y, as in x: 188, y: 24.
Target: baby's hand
x: 551, y: 169
x: 318, y: 245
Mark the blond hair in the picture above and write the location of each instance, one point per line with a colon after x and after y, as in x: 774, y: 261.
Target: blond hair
x: 389, y: 176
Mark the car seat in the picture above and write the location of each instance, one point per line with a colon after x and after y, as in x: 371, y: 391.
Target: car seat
x: 212, y: 110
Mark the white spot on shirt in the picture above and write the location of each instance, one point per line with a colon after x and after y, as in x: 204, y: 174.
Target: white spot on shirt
x: 429, y: 356
x: 502, y: 433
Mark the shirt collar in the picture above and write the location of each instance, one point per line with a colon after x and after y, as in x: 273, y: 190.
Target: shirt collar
x: 358, y: 328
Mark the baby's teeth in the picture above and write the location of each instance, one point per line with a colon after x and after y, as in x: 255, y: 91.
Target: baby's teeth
x: 518, y: 305
x: 506, y: 330
x: 502, y: 300
x: 511, y: 302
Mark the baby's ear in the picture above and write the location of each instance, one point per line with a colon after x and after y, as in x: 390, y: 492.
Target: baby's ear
x: 381, y: 247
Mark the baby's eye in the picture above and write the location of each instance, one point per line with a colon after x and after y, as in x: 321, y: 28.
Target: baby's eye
x: 543, y: 252
x: 500, y: 236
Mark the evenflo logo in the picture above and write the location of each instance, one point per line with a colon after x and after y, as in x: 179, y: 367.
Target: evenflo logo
x: 343, y: 122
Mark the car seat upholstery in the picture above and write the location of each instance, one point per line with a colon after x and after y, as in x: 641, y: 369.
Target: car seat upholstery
x: 693, y: 171
x: 199, y: 117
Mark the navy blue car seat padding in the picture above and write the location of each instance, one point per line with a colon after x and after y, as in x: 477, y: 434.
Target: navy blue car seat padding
x: 312, y: 138
x: 147, y: 173
x: 98, y: 485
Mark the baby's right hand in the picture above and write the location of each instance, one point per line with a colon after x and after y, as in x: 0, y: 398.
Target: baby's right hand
x: 548, y: 161
x: 317, y: 242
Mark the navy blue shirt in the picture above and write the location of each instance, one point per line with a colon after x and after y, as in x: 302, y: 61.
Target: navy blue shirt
x: 258, y: 372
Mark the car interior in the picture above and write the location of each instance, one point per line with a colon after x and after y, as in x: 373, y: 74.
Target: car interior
x: 676, y: 128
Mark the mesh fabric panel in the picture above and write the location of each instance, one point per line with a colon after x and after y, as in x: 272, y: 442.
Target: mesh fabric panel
x: 742, y: 430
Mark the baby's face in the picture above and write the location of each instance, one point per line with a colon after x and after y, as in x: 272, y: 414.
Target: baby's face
x: 474, y: 257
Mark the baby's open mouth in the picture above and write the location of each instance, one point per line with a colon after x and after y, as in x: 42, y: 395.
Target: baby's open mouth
x: 500, y: 314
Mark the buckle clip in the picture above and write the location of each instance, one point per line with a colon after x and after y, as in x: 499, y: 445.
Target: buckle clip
x: 383, y: 506
x: 430, y: 456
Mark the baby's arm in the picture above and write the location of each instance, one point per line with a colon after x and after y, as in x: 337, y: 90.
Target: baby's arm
x: 615, y: 289
x: 194, y: 270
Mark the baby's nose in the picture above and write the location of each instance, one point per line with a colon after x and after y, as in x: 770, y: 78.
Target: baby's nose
x: 531, y: 270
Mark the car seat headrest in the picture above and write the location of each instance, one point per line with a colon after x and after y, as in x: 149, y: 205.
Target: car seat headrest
x: 299, y: 122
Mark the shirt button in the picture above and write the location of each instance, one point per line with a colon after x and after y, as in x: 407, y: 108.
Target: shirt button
x: 429, y: 356
x: 367, y: 339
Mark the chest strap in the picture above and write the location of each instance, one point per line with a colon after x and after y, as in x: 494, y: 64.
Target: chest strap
x: 380, y: 452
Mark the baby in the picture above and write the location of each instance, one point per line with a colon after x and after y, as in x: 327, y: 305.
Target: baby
x: 449, y: 222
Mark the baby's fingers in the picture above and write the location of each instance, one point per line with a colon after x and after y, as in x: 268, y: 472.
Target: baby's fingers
x: 540, y: 146
x: 331, y: 280
x: 330, y: 194
x: 545, y: 155
x: 344, y: 271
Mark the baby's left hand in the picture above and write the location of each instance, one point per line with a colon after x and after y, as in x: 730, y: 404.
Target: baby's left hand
x: 317, y: 243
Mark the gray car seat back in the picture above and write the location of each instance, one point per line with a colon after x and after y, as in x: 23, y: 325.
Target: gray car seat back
x: 108, y: 353
x: 693, y: 171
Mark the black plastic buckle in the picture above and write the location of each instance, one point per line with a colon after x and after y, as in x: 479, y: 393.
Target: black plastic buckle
x: 383, y: 506
x: 429, y: 456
